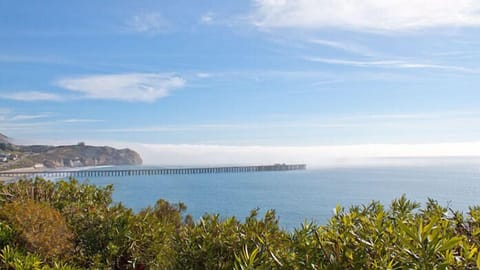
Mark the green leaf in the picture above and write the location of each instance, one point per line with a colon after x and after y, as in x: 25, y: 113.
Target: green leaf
x: 478, y: 261
x: 451, y: 243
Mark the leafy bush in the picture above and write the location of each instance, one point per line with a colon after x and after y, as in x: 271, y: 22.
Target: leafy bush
x: 7, y: 234
x: 41, y: 229
x: 13, y: 259
x: 42, y: 223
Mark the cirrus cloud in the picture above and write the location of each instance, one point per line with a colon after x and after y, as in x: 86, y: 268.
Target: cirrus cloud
x: 207, y: 18
x: 151, y: 23
x: 144, y: 87
x: 369, y: 15
x: 31, y: 96
x: 390, y: 64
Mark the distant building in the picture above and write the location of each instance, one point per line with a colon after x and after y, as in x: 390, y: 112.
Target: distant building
x: 38, y: 166
x: 4, y: 157
x: 77, y: 163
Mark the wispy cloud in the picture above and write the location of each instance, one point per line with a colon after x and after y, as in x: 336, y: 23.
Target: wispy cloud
x: 389, y: 64
x: 9, y: 58
x: 26, y: 117
x: 367, y: 15
x: 145, y: 87
x: 81, y: 120
x: 207, y: 18
x: 344, y: 46
x: 4, y: 113
x: 203, y: 75
x: 225, y: 127
x: 150, y: 23
x: 34, y: 126
x: 307, y: 122
x: 31, y: 96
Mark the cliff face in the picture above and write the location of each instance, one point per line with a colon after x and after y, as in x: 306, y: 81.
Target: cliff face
x: 82, y: 155
x: 67, y: 155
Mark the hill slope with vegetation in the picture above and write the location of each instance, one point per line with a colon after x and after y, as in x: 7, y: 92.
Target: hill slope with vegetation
x: 4, y: 139
x: 66, y: 155
x: 70, y: 225
x: 80, y: 155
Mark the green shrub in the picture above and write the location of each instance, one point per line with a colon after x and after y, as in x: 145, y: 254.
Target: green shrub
x: 12, y: 258
x: 42, y: 223
x: 7, y: 234
x: 154, y: 230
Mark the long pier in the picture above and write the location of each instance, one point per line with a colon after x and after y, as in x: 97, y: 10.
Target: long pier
x: 151, y: 171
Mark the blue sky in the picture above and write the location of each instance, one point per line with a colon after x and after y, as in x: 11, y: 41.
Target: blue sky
x: 265, y: 75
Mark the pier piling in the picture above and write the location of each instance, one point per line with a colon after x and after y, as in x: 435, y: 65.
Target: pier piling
x: 148, y: 172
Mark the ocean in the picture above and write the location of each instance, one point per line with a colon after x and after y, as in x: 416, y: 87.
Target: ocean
x: 299, y: 196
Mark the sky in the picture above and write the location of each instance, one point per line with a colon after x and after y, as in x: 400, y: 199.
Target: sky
x: 194, y: 82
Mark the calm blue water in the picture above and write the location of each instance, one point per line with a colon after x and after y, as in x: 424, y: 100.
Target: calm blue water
x: 300, y: 195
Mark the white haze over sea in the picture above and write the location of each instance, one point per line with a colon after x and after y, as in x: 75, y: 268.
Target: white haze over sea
x: 319, y: 156
x: 314, y: 156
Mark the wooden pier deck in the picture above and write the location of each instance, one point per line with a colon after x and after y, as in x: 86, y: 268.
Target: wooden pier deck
x: 150, y: 171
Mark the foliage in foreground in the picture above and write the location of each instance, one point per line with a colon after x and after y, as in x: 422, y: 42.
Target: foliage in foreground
x: 71, y: 225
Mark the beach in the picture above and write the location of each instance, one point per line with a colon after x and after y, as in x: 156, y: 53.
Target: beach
x: 7, y: 179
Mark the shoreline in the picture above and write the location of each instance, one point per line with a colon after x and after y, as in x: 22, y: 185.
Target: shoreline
x: 32, y: 169
x: 40, y: 170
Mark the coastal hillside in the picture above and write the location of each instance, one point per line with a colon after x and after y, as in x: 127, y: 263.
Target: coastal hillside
x: 79, y: 155
x: 4, y: 139
x: 6, y: 144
